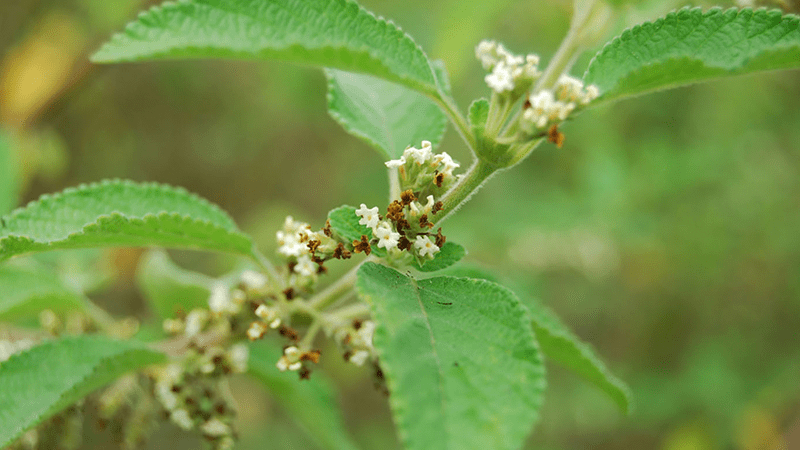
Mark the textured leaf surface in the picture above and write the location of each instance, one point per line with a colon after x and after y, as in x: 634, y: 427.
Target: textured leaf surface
x: 689, y: 46
x: 169, y: 288
x: 560, y: 344
x: 120, y: 213
x: 332, y: 33
x: 386, y: 115
x: 44, y: 380
x: 312, y: 403
x: 344, y: 224
x: 26, y: 292
x: 460, y: 359
x: 9, y: 174
x: 449, y: 254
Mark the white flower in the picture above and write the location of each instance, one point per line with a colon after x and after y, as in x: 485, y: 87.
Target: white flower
x: 238, y: 355
x: 592, y: 92
x: 358, y: 358
x: 254, y: 281
x: 501, y: 79
x: 486, y: 52
x: 568, y: 89
x: 257, y: 330
x: 449, y: 165
x: 395, y: 163
x: 425, y: 246
x: 165, y: 395
x: 365, y: 333
x: 195, y: 321
x: 215, y: 428
x: 369, y: 216
x: 388, y: 239
x: 220, y: 300
x: 289, y: 238
x: 180, y: 417
x: 420, y: 155
x: 269, y: 315
x: 290, y: 359
x: 305, y: 266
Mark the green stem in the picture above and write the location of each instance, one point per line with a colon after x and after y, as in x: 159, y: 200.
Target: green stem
x: 458, y: 120
x: 565, y: 55
x: 351, y: 311
x: 466, y: 186
x: 311, y: 333
x: 266, y: 264
x: 340, y: 287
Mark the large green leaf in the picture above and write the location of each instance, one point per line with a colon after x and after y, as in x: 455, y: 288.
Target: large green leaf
x: 311, y: 402
x: 121, y: 213
x: 9, y: 174
x: 42, y: 381
x: 332, y: 33
x: 388, y: 116
x: 26, y: 292
x: 461, y: 361
x: 449, y: 254
x: 689, y: 46
x: 560, y: 344
x: 169, y: 288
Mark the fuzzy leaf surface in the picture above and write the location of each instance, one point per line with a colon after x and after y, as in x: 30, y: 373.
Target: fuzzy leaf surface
x: 449, y: 254
x: 42, y: 381
x: 332, y: 33
x: 168, y: 287
x: 386, y: 115
x: 312, y: 403
x: 345, y: 226
x: 689, y: 46
x: 120, y: 213
x: 560, y: 344
x: 26, y: 292
x: 460, y: 359
x: 9, y: 174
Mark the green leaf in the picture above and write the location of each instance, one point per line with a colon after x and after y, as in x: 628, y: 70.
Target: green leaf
x: 42, y: 381
x: 345, y: 226
x: 169, y: 288
x: 26, y: 292
x: 460, y: 358
x: 120, y: 213
x: 690, y: 46
x: 332, y: 33
x: 9, y: 174
x: 478, y: 114
x: 311, y: 403
x: 449, y: 254
x: 560, y: 344
x: 386, y: 115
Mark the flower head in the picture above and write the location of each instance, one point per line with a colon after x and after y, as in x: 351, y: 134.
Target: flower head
x: 425, y: 247
x: 369, y: 216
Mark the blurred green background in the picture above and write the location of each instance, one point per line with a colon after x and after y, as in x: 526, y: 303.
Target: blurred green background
x: 666, y: 231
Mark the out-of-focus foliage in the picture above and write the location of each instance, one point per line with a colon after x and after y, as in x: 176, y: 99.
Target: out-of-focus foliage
x: 664, y: 231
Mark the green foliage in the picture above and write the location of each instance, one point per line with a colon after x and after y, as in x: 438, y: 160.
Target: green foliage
x: 121, y: 213
x: 9, y: 174
x: 169, y: 288
x: 344, y: 224
x: 460, y: 359
x: 332, y: 33
x: 311, y: 403
x: 42, y: 381
x: 560, y: 344
x: 690, y: 46
x: 26, y: 292
x: 449, y: 254
x: 386, y: 115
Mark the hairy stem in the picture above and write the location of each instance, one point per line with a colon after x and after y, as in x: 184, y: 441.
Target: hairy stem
x: 565, y: 55
x: 340, y: 287
x: 458, y: 120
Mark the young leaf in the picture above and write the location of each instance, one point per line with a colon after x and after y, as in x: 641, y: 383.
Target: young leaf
x: 333, y: 33
x: 386, y: 115
x: 560, y: 344
x: 26, y: 292
x: 344, y: 224
x: 478, y: 114
x: 169, y: 288
x: 42, y: 381
x: 9, y: 174
x: 690, y: 46
x: 449, y: 254
x: 310, y: 402
x: 461, y: 361
x: 121, y: 213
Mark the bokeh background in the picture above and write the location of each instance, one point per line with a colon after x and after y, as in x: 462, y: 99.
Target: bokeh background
x: 666, y: 231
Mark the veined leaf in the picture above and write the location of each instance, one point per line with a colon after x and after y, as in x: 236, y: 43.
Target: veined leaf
x: 690, y: 46
x: 460, y: 359
x: 42, y: 381
x: 449, y: 254
x: 121, y: 213
x: 560, y: 344
x: 26, y: 292
x: 9, y: 174
x: 386, y: 115
x: 168, y: 287
x: 332, y: 33
x: 344, y: 224
x: 311, y: 403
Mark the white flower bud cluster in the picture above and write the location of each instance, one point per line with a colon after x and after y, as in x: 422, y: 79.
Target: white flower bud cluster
x: 548, y: 107
x: 508, y: 71
x: 385, y: 231
x: 305, y: 249
x: 294, y: 359
x: 356, y: 341
x: 423, y: 171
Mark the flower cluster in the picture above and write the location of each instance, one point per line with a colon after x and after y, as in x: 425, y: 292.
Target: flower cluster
x: 355, y: 340
x: 424, y: 172
x: 547, y: 107
x: 509, y: 72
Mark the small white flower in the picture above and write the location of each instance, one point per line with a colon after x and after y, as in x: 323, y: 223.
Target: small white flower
x: 358, y: 358
x: 448, y: 163
x: 501, y: 79
x: 173, y: 326
x: 369, y: 216
x: 420, y: 155
x: 238, y: 355
x: 425, y: 246
x: 592, y: 92
x: 486, y: 52
x: 221, y: 301
x: 257, y: 330
x: 290, y: 359
x: 365, y: 334
x: 568, y: 89
x: 195, y: 321
x: 395, y: 163
x: 429, y: 206
x: 305, y: 266
x: 180, y: 417
x: 215, y: 428
x: 165, y: 395
x: 388, y: 239
x: 254, y: 281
